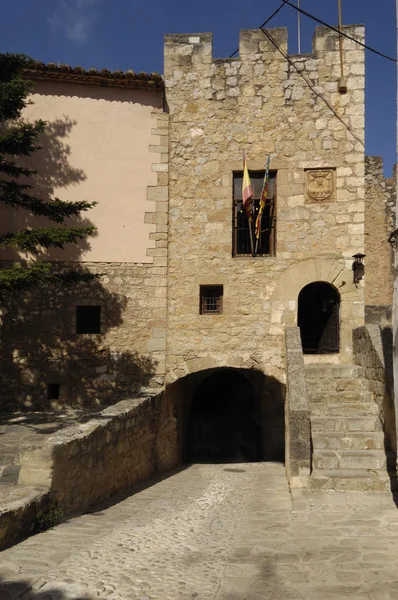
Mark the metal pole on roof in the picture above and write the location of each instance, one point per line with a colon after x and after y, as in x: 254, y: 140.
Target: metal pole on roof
x: 298, y: 28
x: 395, y: 303
x: 342, y: 82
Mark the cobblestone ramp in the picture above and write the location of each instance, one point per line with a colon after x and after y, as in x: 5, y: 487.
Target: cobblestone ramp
x: 220, y: 532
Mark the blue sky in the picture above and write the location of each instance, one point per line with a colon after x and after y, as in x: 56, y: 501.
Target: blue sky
x: 128, y: 34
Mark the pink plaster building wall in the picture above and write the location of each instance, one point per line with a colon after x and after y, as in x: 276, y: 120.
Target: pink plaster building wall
x: 96, y: 148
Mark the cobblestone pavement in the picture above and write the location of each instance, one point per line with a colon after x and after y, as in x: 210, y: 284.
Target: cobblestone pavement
x: 222, y: 532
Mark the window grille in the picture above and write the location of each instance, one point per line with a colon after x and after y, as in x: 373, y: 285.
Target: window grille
x: 88, y: 319
x: 241, y: 236
x: 211, y: 297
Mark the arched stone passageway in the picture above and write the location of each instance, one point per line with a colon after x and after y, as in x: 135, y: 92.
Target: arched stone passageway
x: 223, y: 424
x: 319, y: 318
x: 229, y: 415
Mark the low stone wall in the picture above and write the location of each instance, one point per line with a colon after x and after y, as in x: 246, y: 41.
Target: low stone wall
x: 297, y: 413
x: 85, y: 463
x: 373, y: 351
x: 19, y: 516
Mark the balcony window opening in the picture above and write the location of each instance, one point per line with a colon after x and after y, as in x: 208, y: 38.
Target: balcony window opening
x: 265, y: 245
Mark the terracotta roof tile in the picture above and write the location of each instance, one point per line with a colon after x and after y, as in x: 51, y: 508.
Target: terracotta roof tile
x: 104, y: 77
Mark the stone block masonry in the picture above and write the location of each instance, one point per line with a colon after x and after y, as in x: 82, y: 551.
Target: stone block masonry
x: 297, y: 413
x: 82, y: 464
x: 379, y: 223
x: 41, y: 346
x: 260, y: 103
x: 89, y: 462
x: 373, y: 351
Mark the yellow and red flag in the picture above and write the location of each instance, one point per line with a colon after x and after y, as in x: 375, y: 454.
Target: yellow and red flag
x: 263, y: 198
x: 247, y: 190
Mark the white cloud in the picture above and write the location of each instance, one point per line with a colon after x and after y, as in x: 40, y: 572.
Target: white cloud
x: 73, y: 18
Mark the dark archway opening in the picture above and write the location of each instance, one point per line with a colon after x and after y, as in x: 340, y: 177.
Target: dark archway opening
x: 319, y: 318
x: 223, y: 423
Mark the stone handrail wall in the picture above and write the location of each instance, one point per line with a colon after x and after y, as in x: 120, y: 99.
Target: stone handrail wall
x: 373, y: 351
x: 297, y: 413
x: 85, y: 463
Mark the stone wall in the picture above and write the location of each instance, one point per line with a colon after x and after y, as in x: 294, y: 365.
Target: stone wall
x: 39, y: 341
x: 260, y: 103
x: 379, y: 223
x: 373, y: 350
x: 297, y: 413
x: 88, y: 462
x: 41, y: 346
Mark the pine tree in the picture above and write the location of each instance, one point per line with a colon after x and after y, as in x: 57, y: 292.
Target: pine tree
x: 18, y: 140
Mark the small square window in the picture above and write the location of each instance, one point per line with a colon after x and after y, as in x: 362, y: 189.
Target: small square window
x: 88, y: 319
x: 53, y: 391
x: 211, y: 299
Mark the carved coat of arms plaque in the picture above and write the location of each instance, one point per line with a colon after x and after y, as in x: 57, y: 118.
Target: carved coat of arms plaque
x: 320, y: 185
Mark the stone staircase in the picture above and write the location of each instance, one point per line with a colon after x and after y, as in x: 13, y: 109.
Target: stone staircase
x: 347, y: 433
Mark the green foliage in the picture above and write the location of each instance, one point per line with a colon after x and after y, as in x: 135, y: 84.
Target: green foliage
x: 50, y: 515
x: 19, y: 140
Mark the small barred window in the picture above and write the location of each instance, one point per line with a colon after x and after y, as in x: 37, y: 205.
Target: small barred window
x: 211, y: 297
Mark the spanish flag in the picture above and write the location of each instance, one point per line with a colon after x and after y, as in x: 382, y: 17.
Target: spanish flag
x: 247, y: 190
x: 263, y: 198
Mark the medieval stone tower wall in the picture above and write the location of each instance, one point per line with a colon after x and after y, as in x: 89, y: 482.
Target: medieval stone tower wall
x: 261, y: 103
x: 379, y: 223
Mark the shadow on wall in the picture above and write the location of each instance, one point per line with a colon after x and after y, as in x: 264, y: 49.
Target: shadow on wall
x: 389, y: 406
x: 229, y: 415
x: 41, y: 351
x: 54, y: 172
x: 40, y: 347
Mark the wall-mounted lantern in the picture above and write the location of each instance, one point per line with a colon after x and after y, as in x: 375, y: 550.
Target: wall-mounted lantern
x: 393, y: 239
x: 358, y: 267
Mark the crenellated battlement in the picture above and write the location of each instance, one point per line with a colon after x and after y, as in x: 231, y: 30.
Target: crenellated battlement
x: 192, y: 48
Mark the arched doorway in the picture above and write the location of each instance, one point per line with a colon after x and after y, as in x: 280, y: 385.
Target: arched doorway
x: 319, y: 318
x: 222, y: 423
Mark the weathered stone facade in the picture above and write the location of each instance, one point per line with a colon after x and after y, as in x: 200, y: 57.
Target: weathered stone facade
x: 260, y: 103
x: 90, y: 461
x: 331, y: 204
x: 379, y: 223
x: 40, y: 345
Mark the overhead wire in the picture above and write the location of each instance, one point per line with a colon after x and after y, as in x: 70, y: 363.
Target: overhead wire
x: 349, y: 37
x: 310, y: 85
x: 262, y: 25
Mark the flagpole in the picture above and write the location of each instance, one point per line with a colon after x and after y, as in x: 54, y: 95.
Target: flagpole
x: 249, y: 215
x: 298, y: 28
x: 260, y: 217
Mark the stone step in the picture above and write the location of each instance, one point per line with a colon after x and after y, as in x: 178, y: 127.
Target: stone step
x: 349, y: 459
x: 334, y: 371
x: 345, y: 424
x: 340, y: 397
x: 352, y: 479
x: 337, y: 385
x: 8, y: 458
x: 348, y: 441
x: 10, y: 474
x: 357, y: 409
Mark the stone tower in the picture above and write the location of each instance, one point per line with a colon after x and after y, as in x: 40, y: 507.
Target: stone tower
x: 264, y: 104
